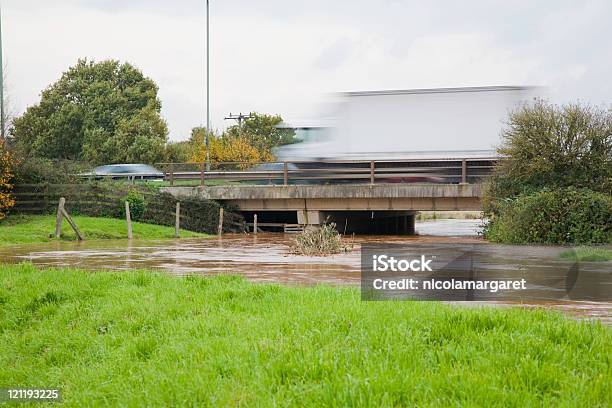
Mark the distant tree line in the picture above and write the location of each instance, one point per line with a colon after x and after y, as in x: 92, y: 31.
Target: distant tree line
x: 109, y: 112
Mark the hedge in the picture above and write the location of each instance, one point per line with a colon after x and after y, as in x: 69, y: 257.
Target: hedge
x: 559, y: 216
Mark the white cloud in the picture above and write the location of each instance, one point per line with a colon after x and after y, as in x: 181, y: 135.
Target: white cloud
x: 282, y: 56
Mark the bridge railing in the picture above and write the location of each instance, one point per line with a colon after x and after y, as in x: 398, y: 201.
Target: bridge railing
x: 454, y: 170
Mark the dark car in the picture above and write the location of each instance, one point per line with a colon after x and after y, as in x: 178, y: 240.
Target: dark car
x: 127, y: 171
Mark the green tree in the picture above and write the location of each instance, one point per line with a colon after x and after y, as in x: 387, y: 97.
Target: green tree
x: 105, y: 112
x: 262, y: 132
x: 554, y: 184
x: 550, y: 146
x: 178, y: 152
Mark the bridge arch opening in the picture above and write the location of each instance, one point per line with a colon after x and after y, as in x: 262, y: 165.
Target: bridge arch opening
x: 372, y: 222
x: 347, y: 222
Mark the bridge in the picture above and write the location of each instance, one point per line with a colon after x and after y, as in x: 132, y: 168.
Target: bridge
x: 360, y: 196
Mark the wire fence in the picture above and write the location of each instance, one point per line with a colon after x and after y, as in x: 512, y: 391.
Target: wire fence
x: 106, y: 199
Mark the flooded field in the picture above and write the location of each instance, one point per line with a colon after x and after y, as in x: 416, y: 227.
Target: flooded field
x: 268, y: 258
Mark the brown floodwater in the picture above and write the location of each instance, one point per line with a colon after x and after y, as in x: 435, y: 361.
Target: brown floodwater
x: 267, y: 257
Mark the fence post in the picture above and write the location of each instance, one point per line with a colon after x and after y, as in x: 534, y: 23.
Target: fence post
x: 177, y: 220
x: 255, y: 224
x: 372, y: 168
x: 128, y: 218
x: 171, y: 174
x: 58, y: 217
x: 202, y: 169
x: 464, y: 171
x: 220, y: 228
x: 285, y: 173
x: 73, y: 225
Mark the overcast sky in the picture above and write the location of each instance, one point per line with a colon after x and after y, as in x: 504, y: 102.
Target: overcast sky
x: 284, y: 56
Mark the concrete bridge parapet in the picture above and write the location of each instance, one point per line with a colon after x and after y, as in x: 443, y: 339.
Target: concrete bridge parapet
x: 360, y: 208
x: 353, y: 197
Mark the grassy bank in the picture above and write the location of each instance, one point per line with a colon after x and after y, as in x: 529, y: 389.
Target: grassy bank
x: 590, y: 254
x: 26, y: 229
x: 139, y: 338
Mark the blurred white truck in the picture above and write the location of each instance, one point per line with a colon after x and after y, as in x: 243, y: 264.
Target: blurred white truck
x: 414, y: 123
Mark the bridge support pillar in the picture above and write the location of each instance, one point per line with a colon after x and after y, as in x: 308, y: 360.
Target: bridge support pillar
x: 309, y: 217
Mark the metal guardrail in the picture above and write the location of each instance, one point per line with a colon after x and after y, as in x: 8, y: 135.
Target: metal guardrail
x: 127, y: 176
x: 462, y: 170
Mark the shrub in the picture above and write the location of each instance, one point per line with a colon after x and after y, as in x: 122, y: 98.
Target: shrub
x: 550, y: 146
x: 553, y: 184
x: 320, y: 241
x: 137, y: 204
x: 6, y: 175
x: 36, y: 170
x: 559, y: 216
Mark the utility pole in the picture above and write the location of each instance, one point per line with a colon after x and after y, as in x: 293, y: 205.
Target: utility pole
x: 240, y: 118
x: 2, y: 118
x: 207, y: 85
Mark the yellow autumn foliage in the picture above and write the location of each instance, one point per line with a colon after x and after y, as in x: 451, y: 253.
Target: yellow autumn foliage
x: 6, y: 174
x: 235, y: 150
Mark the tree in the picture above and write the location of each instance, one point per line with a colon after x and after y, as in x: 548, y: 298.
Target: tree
x: 6, y: 175
x: 549, y: 146
x: 136, y: 140
x: 262, y: 132
x: 554, y: 184
x: 224, y: 149
x: 104, y: 112
x: 178, y: 152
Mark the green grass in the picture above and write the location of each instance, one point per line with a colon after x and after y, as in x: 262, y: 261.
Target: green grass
x: 26, y: 229
x: 591, y: 254
x: 141, y: 338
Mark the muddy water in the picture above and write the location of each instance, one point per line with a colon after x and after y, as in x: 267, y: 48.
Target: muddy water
x: 268, y: 258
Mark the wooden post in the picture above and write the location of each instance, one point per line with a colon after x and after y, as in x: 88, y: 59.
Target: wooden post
x: 177, y: 220
x: 464, y: 171
x: 73, y: 225
x: 220, y: 228
x: 255, y: 224
x: 171, y: 174
x: 128, y: 219
x: 202, y: 169
x: 58, y: 217
x: 372, y: 168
